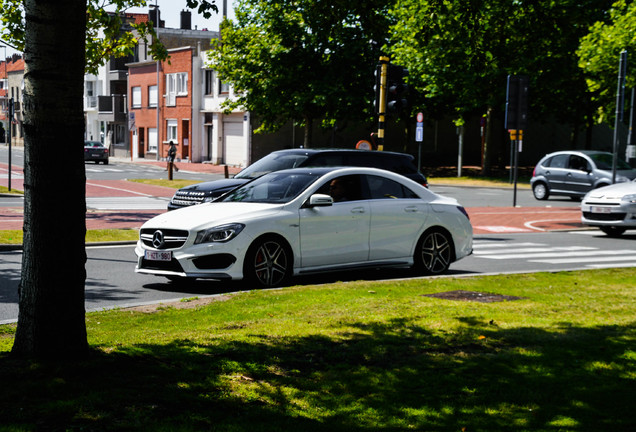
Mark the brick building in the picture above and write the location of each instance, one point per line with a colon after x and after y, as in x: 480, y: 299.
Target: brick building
x: 164, y: 99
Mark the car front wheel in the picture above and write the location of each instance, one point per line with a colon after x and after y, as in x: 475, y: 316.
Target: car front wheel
x: 613, y: 231
x: 268, y: 262
x: 434, y: 252
x: 540, y: 191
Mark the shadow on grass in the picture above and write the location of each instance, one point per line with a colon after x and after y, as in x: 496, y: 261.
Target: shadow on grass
x: 391, y: 376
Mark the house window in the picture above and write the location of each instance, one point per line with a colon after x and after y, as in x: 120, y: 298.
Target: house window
x: 224, y: 88
x: 136, y: 97
x: 152, y: 140
x: 171, y: 129
x: 182, y: 84
x: 152, y: 96
x: 209, y: 82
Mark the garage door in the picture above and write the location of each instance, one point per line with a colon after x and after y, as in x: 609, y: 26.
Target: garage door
x: 234, y: 143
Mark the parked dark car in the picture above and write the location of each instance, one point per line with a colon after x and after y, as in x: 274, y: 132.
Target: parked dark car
x: 399, y: 163
x: 575, y: 173
x: 96, y: 152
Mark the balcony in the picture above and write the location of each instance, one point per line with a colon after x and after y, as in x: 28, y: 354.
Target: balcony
x: 112, y: 108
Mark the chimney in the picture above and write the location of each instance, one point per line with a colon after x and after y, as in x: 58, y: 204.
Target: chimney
x: 186, y: 20
x: 155, y: 16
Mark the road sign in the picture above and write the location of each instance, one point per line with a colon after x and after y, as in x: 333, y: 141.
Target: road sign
x: 419, y: 133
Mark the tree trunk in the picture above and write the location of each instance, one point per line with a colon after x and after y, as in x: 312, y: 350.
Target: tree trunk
x: 51, y: 320
x: 308, y: 132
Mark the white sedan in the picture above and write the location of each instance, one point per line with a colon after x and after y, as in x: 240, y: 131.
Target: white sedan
x: 611, y: 208
x: 308, y: 220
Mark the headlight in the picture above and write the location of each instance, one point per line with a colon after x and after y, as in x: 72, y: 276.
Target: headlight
x: 631, y: 199
x: 621, y: 179
x: 219, y: 234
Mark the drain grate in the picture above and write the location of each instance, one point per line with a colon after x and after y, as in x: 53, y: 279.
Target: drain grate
x: 475, y: 296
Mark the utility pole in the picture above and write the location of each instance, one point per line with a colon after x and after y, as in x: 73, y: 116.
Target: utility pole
x: 620, y: 97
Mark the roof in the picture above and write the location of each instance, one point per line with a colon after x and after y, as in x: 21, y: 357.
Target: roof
x: 12, y: 66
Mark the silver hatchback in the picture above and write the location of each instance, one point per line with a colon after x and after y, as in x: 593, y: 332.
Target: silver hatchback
x: 574, y: 173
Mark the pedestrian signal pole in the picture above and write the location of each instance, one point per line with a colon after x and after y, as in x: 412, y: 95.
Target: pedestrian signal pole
x: 516, y: 120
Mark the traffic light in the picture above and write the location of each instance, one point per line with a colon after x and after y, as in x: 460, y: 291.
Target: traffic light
x: 377, y: 89
x: 396, y: 89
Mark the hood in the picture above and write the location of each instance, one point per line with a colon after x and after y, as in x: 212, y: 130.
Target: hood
x: 213, y: 185
x: 210, y: 214
x: 613, y: 191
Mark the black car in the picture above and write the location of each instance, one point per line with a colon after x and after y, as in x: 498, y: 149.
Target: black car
x: 95, y: 151
x: 283, y: 159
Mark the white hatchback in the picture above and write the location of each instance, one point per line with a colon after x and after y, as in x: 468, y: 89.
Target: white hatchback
x: 611, y: 208
x: 308, y: 220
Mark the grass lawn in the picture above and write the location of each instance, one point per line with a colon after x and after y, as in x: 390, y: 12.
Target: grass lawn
x: 554, y: 352
x: 4, y: 189
x: 92, y: 236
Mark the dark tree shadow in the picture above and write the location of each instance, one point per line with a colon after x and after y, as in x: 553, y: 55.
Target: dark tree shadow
x: 387, y: 376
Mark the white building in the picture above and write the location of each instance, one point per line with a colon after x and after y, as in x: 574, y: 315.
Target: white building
x: 225, y: 138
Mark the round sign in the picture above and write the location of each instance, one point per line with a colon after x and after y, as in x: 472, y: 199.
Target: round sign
x: 420, y: 117
x: 363, y: 145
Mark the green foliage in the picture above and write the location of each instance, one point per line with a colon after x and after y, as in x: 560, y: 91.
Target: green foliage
x: 459, y: 53
x: 107, y: 35
x: 301, y: 60
x: 356, y: 357
x: 599, y: 55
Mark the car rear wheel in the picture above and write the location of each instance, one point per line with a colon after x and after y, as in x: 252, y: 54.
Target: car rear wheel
x: 268, y: 262
x: 434, y: 252
x: 613, y: 231
x: 540, y: 191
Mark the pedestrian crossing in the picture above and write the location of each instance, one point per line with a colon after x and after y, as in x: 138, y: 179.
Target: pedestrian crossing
x: 543, y: 253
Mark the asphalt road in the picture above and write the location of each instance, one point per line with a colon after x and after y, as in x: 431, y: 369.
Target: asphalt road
x: 111, y: 280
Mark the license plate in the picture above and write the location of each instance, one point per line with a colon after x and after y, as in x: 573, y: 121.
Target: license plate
x: 96, y: 155
x: 601, y: 210
x: 158, y: 256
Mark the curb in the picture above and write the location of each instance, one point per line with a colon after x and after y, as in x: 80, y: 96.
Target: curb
x: 18, y: 247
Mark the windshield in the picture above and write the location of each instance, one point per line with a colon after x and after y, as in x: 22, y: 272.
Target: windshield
x: 604, y: 161
x: 271, y: 162
x: 275, y: 187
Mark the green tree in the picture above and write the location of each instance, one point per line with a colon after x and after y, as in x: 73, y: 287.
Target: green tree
x: 599, y: 55
x: 60, y: 42
x: 302, y: 60
x: 459, y: 54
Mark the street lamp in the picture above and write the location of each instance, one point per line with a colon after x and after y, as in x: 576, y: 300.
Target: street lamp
x: 158, y: 95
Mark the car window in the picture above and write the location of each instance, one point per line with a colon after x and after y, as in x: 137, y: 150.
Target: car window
x: 578, y: 163
x: 389, y: 162
x: 558, y: 161
x: 274, y: 187
x: 271, y: 162
x: 383, y: 188
x: 326, y: 160
x: 343, y: 188
x: 604, y: 161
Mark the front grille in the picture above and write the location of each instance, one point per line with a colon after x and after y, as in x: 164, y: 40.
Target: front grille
x: 161, y: 265
x: 172, y: 239
x: 187, y: 198
x: 617, y: 217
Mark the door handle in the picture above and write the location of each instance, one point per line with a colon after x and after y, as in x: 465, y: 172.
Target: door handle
x: 410, y: 209
x: 357, y: 210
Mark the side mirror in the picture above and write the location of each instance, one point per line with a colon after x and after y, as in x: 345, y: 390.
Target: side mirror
x: 320, y: 200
